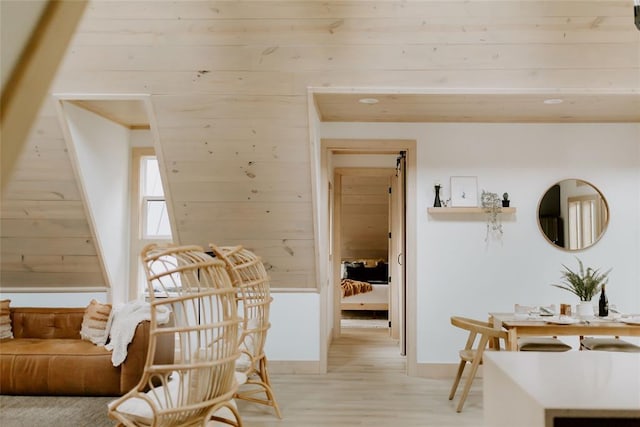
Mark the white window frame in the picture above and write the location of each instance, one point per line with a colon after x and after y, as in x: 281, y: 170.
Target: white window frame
x: 139, y: 239
x: 585, y: 220
x: 144, y: 216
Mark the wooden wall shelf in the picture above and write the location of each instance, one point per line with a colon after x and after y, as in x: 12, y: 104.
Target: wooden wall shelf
x: 449, y: 211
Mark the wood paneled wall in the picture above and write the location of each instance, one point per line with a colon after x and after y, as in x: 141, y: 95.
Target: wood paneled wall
x: 365, y: 217
x: 229, y: 84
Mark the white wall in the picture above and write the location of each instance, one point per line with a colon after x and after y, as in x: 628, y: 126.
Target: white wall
x: 103, y: 162
x: 295, y: 327
x: 295, y: 319
x: 140, y: 138
x: 459, y: 273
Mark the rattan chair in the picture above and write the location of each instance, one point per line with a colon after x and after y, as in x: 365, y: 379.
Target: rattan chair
x: 472, y: 352
x: 198, y: 387
x: 248, y: 274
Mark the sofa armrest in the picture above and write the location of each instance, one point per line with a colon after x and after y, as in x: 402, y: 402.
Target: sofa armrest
x: 133, y: 366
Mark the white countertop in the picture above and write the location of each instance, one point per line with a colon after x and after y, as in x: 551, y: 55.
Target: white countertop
x: 574, y: 379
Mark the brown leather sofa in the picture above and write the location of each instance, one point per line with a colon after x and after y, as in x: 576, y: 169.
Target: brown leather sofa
x: 47, y: 356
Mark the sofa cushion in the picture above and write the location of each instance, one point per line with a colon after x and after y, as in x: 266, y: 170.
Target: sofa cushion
x: 5, y: 319
x: 42, y: 322
x: 94, y: 322
x: 70, y: 367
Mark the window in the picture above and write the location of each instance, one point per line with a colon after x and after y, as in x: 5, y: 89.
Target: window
x: 149, y: 214
x: 586, y: 218
x: 154, y: 218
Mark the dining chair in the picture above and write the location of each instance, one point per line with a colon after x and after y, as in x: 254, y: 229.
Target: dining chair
x: 197, y: 388
x: 479, y: 331
x: 549, y: 344
x: 249, y: 275
x: 608, y: 344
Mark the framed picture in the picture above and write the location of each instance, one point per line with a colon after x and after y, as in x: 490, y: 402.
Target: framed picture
x: 464, y: 191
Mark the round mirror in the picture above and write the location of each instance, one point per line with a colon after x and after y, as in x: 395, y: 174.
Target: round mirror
x: 573, y: 214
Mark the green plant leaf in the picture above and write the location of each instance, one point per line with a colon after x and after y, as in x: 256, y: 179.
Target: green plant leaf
x: 584, y: 284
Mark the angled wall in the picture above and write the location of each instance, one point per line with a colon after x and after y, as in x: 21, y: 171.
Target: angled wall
x: 101, y: 152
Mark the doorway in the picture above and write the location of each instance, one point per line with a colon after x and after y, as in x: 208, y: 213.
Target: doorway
x: 368, y: 242
x: 362, y: 229
x: 326, y: 213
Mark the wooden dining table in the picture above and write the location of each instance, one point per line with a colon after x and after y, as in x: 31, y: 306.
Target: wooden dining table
x: 544, y: 327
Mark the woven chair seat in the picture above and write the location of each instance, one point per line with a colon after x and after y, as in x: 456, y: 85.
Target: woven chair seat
x: 608, y: 344
x: 542, y: 344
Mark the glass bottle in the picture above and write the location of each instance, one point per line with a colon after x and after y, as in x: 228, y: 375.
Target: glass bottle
x: 603, y: 304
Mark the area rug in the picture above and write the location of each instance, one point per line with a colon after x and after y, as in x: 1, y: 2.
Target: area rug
x: 364, y: 323
x: 54, y: 411
x: 364, y: 319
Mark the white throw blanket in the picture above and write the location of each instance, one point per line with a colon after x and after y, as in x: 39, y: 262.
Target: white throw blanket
x: 123, y: 323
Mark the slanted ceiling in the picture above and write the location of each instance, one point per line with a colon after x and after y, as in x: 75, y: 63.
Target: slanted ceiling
x: 229, y: 84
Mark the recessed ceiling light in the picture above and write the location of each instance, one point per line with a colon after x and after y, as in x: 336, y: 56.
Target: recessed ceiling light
x: 368, y: 101
x: 552, y: 101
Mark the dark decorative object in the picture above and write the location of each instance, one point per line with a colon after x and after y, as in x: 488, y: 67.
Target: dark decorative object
x: 436, y: 202
x: 505, y: 200
x: 636, y: 13
x: 360, y: 272
x: 551, y: 223
x: 603, y: 303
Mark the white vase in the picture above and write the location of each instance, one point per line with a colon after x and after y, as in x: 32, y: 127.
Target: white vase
x: 584, y: 309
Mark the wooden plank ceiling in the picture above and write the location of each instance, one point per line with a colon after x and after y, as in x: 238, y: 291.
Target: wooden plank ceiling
x: 229, y: 83
x: 480, y: 107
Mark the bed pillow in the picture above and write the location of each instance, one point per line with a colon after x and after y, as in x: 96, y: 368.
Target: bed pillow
x: 5, y: 319
x: 94, y: 322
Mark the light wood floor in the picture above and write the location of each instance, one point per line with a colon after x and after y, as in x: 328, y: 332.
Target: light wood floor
x: 366, y: 386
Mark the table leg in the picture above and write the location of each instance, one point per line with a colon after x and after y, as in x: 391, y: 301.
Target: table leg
x: 494, y: 343
x: 512, y: 340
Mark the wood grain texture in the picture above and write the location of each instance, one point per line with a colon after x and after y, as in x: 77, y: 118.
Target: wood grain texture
x: 365, y: 385
x: 31, y: 75
x: 229, y: 83
x: 364, y: 224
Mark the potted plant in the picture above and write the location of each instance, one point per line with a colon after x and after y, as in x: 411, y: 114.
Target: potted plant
x: 583, y: 283
x: 505, y: 200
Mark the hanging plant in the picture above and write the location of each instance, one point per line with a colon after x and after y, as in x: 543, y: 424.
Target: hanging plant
x: 492, y: 204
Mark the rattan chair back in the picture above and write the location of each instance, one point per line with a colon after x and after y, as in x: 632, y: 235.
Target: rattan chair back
x: 249, y: 275
x: 201, y: 382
